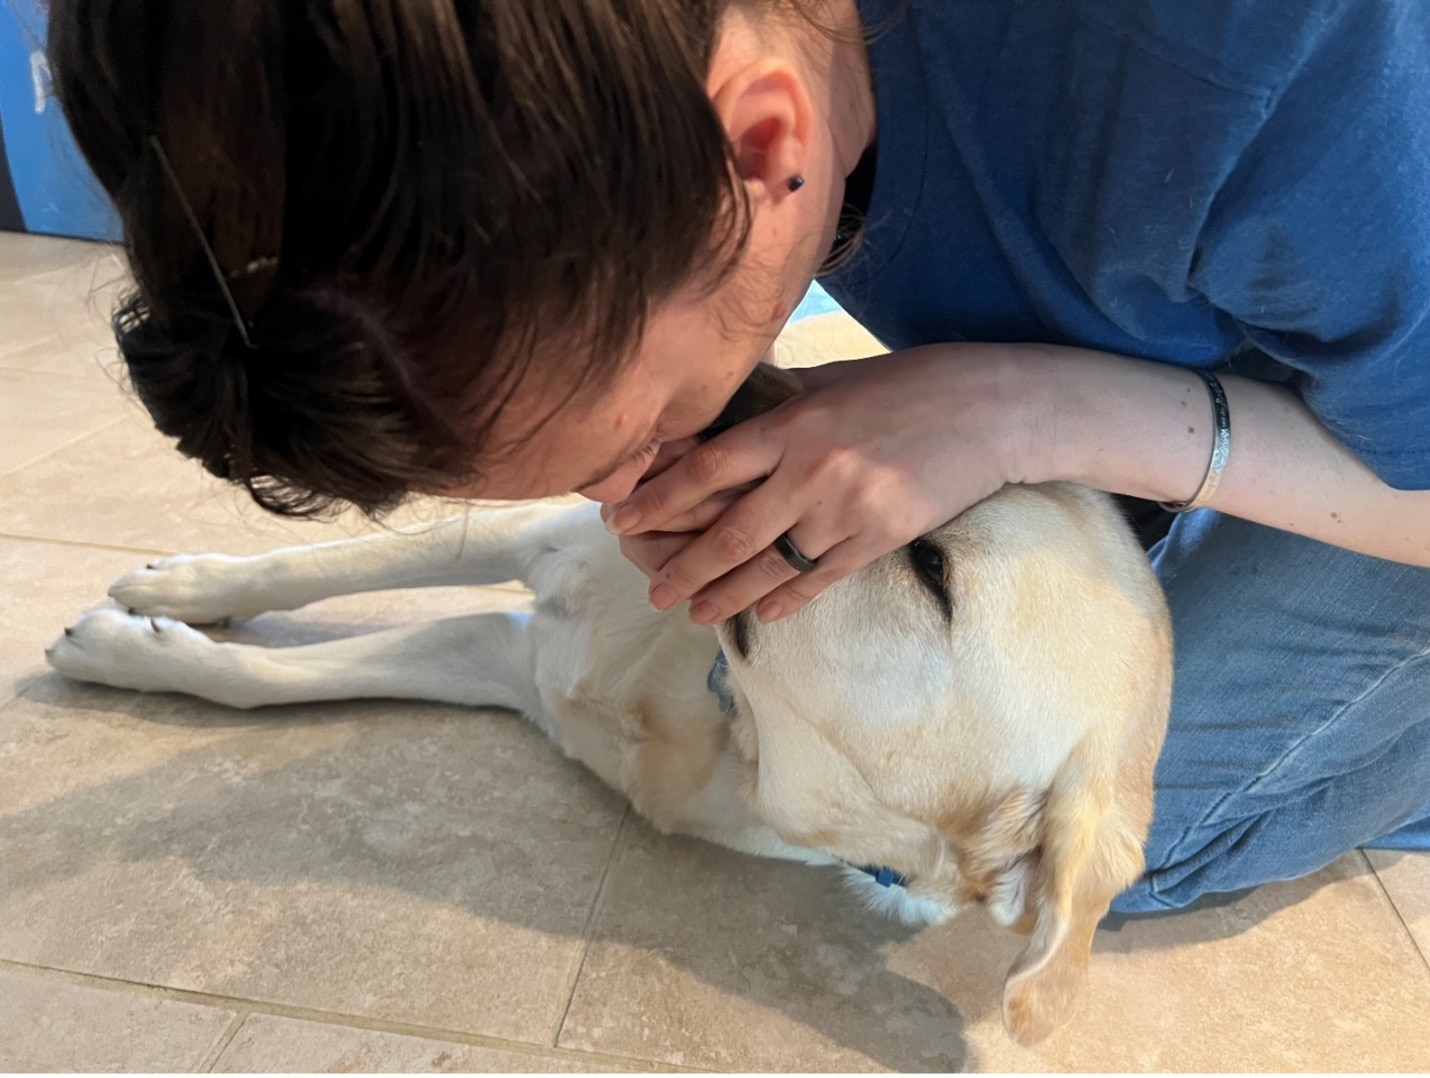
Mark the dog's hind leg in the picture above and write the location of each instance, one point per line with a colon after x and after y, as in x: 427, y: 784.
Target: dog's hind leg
x: 479, y: 660
x: 484, y: 547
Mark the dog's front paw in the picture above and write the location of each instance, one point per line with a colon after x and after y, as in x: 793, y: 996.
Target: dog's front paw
x: 199, y: 589
x: 127, y: 651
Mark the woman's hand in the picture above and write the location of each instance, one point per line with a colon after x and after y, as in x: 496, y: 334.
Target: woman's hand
x: 878, y: 451
x: 651, y: 551
x: 874, y: 454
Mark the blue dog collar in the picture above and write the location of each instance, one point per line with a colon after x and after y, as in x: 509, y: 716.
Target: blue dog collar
x: 884, y: 877
x: 718, y: 682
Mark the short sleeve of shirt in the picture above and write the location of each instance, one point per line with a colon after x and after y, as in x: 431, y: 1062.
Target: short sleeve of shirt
x: 1176, y: 180
x: 1318, y: 241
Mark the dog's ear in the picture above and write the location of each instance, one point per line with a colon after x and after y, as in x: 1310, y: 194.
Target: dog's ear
x: 765, y: 388
x: 1092, y: 831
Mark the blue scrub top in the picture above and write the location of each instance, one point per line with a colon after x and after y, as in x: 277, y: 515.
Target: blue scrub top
x: 1199, y: 182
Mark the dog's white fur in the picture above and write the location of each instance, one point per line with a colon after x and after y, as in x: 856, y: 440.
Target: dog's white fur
x: 1002, y: 757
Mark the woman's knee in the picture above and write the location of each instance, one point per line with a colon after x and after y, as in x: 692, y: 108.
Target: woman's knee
x: 1243, y: 839
x: 1300, y: 725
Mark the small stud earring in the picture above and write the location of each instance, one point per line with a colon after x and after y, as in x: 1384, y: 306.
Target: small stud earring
x: 796, y: 183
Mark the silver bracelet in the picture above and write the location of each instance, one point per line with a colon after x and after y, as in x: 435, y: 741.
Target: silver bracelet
x: 1221, y: 448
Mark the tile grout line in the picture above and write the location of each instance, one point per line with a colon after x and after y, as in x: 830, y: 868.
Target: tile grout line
x: 101, y: 366
x: 61, y: 448
x: 336, y: 1019
x: 9, y: 351
x: 597, y: 904
x: 6, y: 368
x: 57, y: 541
x: 1385, y: 893
x: 217, y: 1049
x: 145, y: 551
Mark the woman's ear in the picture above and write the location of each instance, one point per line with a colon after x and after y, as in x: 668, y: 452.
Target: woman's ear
x: 768, y: 118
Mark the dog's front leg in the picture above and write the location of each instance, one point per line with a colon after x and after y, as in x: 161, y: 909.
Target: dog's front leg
x: 484, y: 547
x: 479, y: 660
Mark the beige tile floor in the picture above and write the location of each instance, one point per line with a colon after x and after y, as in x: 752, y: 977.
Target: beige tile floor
x: 387, y: 886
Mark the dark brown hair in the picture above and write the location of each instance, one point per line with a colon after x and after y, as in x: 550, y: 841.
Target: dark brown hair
x: 404, y: 197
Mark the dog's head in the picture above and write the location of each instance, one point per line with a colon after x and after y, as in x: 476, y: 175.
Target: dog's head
x: 981, y: 711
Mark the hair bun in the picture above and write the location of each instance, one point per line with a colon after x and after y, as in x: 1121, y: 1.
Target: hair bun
x: 304, y: 419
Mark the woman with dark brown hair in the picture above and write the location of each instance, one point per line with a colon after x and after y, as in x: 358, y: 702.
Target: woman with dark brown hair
x: 508, y: 248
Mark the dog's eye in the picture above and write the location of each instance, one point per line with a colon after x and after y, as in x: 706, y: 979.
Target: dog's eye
x: 927, y: 560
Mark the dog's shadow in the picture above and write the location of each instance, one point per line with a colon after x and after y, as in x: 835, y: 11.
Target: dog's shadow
x: 476, y: 812
x: 473, y: 812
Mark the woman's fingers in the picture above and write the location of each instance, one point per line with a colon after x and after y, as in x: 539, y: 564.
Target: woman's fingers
x: 706, y: 513
x: 771, y: 586
x: 740, y: 587
x: 651, y: 552
x: 828, y: 374
x: 739, y: 456
x: 669, y: 453
x: 695, y: 520
x: 744, y: 533
x: 835, y: 564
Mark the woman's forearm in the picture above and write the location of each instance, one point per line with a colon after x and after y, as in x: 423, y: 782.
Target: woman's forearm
x: 1145, y: 429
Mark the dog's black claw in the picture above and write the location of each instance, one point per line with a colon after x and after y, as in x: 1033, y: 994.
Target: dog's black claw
x: 132, y: 612
x: 69, y: 631
x: 154, y: 624
x: 152, y: 565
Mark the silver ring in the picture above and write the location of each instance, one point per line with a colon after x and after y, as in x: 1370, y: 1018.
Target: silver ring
x: 798, y: 560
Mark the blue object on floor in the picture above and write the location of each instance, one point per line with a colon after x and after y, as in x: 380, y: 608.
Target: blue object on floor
x: 816, y: 301
x: 45, y: 185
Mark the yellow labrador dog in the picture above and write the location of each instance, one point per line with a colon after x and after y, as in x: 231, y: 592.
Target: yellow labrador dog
x: 975, y: 717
